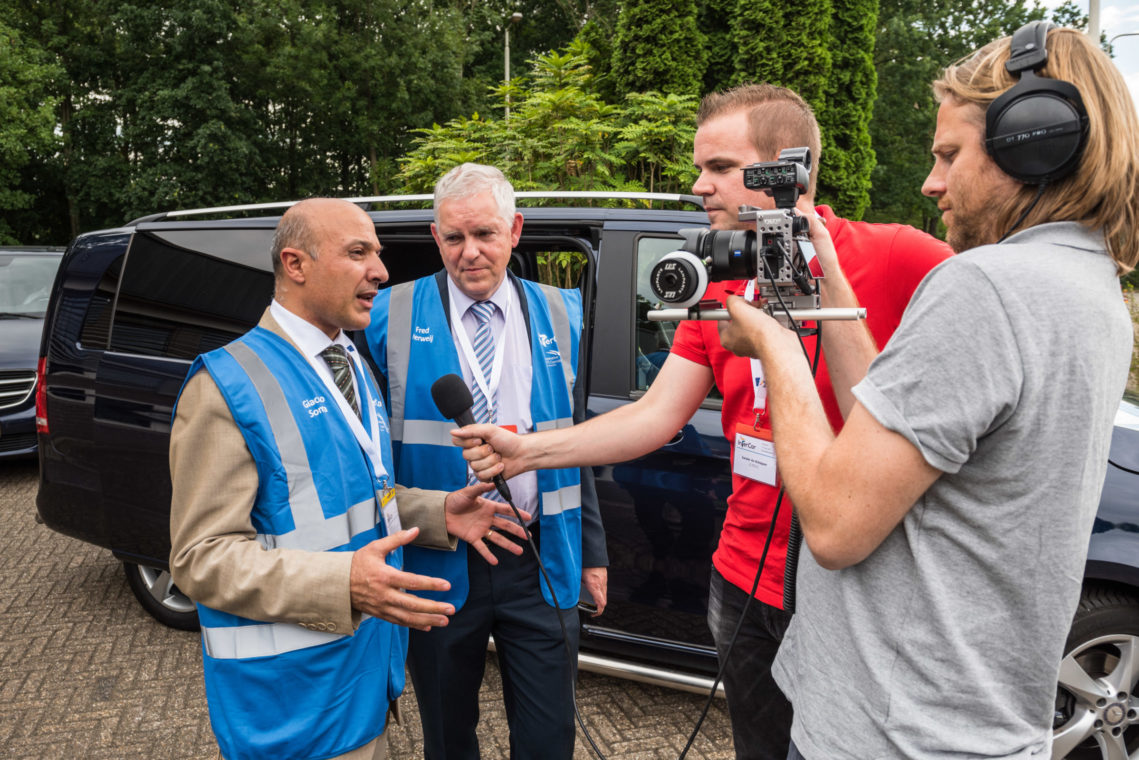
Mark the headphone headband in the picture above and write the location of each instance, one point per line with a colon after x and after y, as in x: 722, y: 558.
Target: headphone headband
x: 1029, y: 47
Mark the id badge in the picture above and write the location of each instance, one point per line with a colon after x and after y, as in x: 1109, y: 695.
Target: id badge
x: 389, y: 510
x: 753, y: 456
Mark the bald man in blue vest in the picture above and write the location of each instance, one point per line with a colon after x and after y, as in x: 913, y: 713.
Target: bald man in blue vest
x: 286, y: 525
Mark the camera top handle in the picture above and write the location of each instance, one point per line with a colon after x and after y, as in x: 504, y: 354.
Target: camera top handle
x: 784, y: 179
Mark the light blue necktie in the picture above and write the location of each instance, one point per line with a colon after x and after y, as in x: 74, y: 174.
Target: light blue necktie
x: 484, y: 409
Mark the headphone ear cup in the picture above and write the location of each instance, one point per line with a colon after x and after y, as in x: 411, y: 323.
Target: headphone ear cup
x: 1036, y: 131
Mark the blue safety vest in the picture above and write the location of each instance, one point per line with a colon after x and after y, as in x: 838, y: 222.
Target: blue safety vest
x: 411, y: 342
x: 277, y: 689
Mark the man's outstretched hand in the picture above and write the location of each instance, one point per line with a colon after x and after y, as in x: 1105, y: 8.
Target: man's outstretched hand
x: 472, y: 518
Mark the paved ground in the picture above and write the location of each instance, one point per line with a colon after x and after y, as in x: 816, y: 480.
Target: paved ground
x: 86, y: 674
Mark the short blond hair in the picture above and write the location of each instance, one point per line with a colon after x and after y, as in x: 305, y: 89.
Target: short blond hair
x: 1103, y: 190
x: 777, y: 118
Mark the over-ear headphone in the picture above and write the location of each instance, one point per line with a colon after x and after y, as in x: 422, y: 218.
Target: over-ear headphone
x: 1036, y: 130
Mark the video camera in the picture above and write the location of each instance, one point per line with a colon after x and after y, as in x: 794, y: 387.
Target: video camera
x: 777, y: 253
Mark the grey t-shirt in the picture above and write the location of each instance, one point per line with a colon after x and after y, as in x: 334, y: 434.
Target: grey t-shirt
x: 1005, y: 373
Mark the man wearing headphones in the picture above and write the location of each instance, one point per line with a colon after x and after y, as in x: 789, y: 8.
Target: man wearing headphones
x: 947, y: 523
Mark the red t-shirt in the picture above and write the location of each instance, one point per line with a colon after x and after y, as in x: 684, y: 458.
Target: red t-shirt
x: 884, y: 264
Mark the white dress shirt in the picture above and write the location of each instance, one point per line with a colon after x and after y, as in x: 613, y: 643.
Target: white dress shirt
x: 514, y: 388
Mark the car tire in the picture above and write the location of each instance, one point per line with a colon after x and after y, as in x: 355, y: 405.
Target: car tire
x: 156, y: 592
x: 1097, y: 716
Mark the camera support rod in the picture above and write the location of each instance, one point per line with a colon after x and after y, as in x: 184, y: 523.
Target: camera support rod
x: 721, y: 315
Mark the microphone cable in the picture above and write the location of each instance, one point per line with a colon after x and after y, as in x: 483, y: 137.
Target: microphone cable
x: 796, y: 534
x: 1024, y: 214
x: 453, y: 399
x: 572, y: 658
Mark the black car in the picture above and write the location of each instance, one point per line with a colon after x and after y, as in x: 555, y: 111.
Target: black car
x: 26, y: 276
x: 133, y: 306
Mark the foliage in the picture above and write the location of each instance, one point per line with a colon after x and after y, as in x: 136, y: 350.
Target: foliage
x: 478, y: 46
x: 562, y: 269
x: 715, y: 22
x: 110, y: 109
x: 821, y: 49
x: 163, y: 105
x: 786, y: 43
x: 27, y: 116
x: 848, y: 159
x: 562, y: 135
x: 658, y: 47
x: 916, y: 40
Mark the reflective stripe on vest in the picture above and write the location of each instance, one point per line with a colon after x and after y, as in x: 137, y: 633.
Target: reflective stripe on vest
x: 561, y: 422
x: 244, y: 641
x: 304, y: 504
x: 330, y: 534
x: 556, y: 502
x: 399, y: 355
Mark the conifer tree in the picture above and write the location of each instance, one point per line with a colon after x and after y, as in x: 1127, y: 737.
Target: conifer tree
x: 658, y: 47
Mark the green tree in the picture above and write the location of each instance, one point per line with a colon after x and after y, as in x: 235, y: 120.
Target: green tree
x: 655, y: 141
x: 191, y: 138
x: 562, y: 135
x: 27, y: 118
x: 785, y: 43
x: 658, y: 46
x: 916, y: 39
x: 715, y: 21
x: 77, y: 183
x: 848, y: 159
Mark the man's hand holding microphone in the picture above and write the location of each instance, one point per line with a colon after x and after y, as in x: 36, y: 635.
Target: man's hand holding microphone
x: 491, y: 452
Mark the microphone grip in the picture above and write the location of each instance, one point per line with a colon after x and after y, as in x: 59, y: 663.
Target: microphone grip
x: 503, y: 489
x: 466, y: 418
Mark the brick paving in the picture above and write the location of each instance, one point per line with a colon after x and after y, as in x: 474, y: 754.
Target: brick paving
x: 86, y: 674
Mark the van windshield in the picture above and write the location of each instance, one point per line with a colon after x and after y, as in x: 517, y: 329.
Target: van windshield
x: 25, y: 284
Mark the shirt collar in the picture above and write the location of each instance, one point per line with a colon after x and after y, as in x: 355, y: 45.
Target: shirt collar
x: 309, y: 338
x: 500, y: 297
x: 1066, y: 233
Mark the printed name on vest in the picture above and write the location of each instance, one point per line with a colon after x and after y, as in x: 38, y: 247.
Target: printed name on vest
x: 311, y: 405
x: 423, y: 335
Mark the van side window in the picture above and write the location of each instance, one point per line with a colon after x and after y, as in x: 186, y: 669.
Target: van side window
x: 178, y: 303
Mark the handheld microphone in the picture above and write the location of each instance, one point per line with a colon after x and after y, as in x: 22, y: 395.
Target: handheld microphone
x: 453, y: 398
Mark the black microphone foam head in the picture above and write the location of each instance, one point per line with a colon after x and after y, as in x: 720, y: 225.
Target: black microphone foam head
x: 451, y: 395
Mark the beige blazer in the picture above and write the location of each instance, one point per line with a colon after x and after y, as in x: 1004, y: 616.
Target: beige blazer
x: 215, y: 558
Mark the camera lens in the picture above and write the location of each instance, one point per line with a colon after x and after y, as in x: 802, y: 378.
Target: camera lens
x: 679, y: 279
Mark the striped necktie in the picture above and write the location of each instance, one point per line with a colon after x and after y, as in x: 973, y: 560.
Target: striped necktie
x: 484, y: 409
x: 337, y: 359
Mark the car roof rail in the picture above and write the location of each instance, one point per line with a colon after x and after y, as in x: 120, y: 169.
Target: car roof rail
x: 694, y: 200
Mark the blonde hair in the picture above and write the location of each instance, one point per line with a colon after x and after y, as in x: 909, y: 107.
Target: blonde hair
x: 1103, y: 190
x: 777, y: 118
